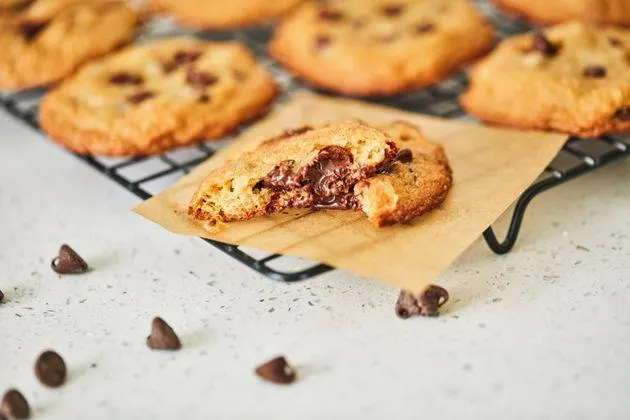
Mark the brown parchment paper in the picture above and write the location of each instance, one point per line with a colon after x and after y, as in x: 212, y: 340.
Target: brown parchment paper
x: 491, y: 167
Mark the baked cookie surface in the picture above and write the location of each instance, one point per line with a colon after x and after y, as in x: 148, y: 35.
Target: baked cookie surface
x: 220, y: 14
x: 156, y: 96
x: 43, y: 41
x: 417, y: 182
x: 379, y: 47
x: 307, y: 168
x: 556, y: 11
x: 572, y: 78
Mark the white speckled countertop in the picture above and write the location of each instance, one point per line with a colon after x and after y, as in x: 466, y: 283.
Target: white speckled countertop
x: 542, y: 333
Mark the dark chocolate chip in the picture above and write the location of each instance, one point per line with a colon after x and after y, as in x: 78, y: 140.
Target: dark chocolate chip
x: 541, y: 44
x: 1, y: 296
x: 322, y: 41
x: 162, y: 336
x: 426, y: 303
x: 68, y: 262
x: 277, y: 370
x: 139, y: 97
x: 282, y: 177
x: 50, y: 369
x: 594, y: 71
x: 622, y: 114
x: 392, y: 10
x: 125, y: 78
x: 404, y: 156
x: 423, y: 28
x: 615, y: 42
x: 205, y: 98
x: 14, y: 405
x: 30, y: 29
x: 330, y: 15
x: 200, y: 79
x: 185, y: 57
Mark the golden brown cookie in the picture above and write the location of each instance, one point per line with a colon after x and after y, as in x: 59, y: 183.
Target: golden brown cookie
x: 43, y: 41
x: 556, y: 11
x: 307, y: 168
x: 419, y: 180
x: 572, y: 78
x: 156, y: 96
x: 220, y: 14
x: 379, y: 47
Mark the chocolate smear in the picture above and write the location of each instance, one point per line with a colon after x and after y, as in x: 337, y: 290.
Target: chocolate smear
x: 140, y: 97
x: 30, y: 29
x: 594, y: 71
x: 404, y: 156
x: 282, y: 177
x: 14, y: 405
x: 125, y: 78
x: 541, y: 44
x: 426, y: 303
x: 50, y: 369
x: 277, y: 370
x: 68, y: 262
x: 162, y: 336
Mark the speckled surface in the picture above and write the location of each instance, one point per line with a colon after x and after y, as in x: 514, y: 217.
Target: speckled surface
x: 542, y: 333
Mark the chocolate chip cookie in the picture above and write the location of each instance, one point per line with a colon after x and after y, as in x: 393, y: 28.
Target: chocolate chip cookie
x: 556, y: 11
x: 220, y: 14
x: 417, y: 182
x: 379, y: 47
x: 571, y: 78
x: 43, y: 41
x: 156, y: 96
x: 307, y: 168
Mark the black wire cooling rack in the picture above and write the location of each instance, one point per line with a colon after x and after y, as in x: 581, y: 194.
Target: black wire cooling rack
x: 146, y: 176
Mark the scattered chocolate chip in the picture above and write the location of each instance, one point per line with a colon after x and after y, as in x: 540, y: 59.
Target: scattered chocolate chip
x: 14, y: 405
x: 1, y: 296
x: 392, y: 10
x: 426, y: 303
x: 541, y: 44
x: 594, y: 71
x: 125, y: 78
x: 622, y: 114
x: 277, y: 370
x: 423, y: 28
x: 30, y: 29
x: 50, y: 369
x: 139, y: 97
x: 68, y: 262
x: 322, y: 41
x: 200, y: 79
x: 615, y: 42
x: 162, y: 336
x: 404, y: 156
x: 205, y: 98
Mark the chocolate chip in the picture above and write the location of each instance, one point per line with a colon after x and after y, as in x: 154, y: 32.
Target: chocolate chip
x: 50, y: 369
x: 281, y: 177
x: 68, y: 262
x: 277, y: 370
x: 594, y: 71
x: 426, y: 303
x: 392, y: 10
x: 185, y: 57
x: 423, y: 28
x: 541, y: 44
x: 124, y: 78
x: 322, y: 41
x: 1, y: 296
x: 162, y: 336
x: 30, y: 29
x: 205, y: 98
x: 14, y: 405
x: 615, y: 42
x: 330, y: 15
x: 139, y: 97
x: 200, y: 79
x: 404, y: 156
x: 622, y: 114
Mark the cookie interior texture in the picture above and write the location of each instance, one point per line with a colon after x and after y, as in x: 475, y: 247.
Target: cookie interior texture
x: 152, y: 97
x: 379, y: 47
x: 43, y: 41
x: 314, y: 169
x: 219, y: 14
x: 572, y: 78
x: 556, y: 11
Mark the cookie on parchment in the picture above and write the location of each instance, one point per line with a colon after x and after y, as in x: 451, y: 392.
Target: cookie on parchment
x: 221, y: 14
x: 307, y: 168
x: 555, y: 11
x: 571, y: 78
x: 417, y: 182
x: 379, y: 47
x: 156, y: 96
x: 42, y: 41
